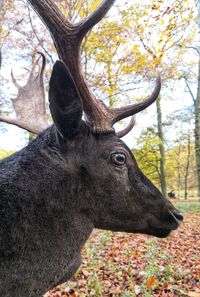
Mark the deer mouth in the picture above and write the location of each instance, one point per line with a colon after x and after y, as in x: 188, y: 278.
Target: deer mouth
x: 178, y: 218
x: 174, y: 219
x: 159, y: 232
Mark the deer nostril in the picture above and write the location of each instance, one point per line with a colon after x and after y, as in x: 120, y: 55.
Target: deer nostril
x: 176, y: 215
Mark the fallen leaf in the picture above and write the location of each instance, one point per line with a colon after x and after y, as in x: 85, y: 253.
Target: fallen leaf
x: 193, y: 294
x: 137, y: 289
x: 151, y: 281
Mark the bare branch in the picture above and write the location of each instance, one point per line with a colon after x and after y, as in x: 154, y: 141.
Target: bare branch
x: 194, y: 48
x: 147, y: 48
x: 36, y: 35
x: 189, y: 89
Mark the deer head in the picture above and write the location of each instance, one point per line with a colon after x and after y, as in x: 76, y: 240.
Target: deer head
x: 100, y: 119
x: 119, y: 196
x: 77, y: 175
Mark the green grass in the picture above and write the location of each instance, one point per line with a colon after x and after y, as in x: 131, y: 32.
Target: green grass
x: 191, y: 207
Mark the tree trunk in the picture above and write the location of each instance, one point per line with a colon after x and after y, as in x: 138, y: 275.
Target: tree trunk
x: 178, y: 170
x: 187, y: 167
x: 2, y: 15
x: 197, y: 113
x: 161, y: 148
x: 197, y: 131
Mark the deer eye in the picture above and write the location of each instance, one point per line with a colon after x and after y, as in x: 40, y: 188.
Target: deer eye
x: 118, y: 159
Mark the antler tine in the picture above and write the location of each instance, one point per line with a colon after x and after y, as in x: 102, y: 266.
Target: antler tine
x: 89, y: 22
x: 127, y: 129
x: 31, y: 76
x: 14, y: 81
x: 126, y: 111
x: 20, y: 124
x: 43, y: 64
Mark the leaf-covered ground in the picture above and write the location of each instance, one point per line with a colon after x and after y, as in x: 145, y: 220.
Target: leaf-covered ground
x: 128, y: 265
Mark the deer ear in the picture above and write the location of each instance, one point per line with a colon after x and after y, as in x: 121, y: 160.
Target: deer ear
x: 65, y: 103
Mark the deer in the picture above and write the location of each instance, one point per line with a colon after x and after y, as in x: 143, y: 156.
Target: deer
x: 75, y: 176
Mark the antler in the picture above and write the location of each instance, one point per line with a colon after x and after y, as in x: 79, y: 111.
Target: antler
x: 127, y: 129
x: 67, y: 38
x: 29, y: 105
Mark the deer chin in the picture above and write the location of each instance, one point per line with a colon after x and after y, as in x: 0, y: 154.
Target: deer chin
x: 162, y: 231
x: 158, y: 227
x: 158, y: 232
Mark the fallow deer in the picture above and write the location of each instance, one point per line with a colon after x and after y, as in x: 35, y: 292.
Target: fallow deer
x: 75, y: 176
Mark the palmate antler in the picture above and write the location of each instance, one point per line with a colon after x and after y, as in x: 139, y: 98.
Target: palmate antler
x: 67, y: 38
x: 29, y: 105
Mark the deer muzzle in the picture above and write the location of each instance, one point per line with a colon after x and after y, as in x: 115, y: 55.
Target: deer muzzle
x: 176, y: 216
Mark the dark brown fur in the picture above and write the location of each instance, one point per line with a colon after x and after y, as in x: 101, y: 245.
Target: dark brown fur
x: 62, y: 185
